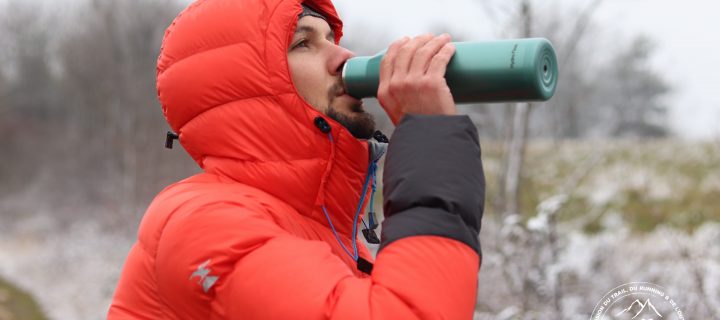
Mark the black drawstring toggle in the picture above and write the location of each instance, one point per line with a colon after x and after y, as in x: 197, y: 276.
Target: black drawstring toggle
x: 371, y: 236
x: 380, y: 137
x: 364, y: 265
x: 171, y: 136
x: 322, y: 124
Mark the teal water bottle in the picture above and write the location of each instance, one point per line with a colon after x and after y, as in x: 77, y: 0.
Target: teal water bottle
x: 482, y: 71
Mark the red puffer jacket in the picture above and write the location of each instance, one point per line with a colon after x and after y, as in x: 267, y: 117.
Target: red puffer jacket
x: 249, y: 237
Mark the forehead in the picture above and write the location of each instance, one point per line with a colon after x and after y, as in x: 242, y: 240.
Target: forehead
x: 308, y: 24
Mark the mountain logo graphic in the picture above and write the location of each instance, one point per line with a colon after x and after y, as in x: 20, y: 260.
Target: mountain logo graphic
x: 637, y: 304
x: 205, y: 279
x: 635, y: 298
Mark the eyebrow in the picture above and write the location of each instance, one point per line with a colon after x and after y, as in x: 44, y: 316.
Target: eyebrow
x: 309, y: 29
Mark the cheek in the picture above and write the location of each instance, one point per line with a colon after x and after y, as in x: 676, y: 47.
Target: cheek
x: 308, y: 80
x: 297, y: 73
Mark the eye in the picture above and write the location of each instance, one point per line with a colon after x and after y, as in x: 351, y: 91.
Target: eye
x: 300, y: 44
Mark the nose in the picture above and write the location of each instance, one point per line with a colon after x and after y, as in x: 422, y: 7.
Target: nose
x: 337, y: 59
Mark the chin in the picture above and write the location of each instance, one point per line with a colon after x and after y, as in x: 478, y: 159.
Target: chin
x: 360, y: 123
x: 357, y: 108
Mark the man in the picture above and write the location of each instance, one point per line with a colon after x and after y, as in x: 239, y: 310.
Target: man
x: 269, y: 229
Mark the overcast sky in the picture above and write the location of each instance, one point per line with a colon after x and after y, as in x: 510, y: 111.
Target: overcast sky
x: 686, y: 35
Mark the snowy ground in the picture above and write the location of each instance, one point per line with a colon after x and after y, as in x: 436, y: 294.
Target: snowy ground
x: 525, y: 276
x: 542, y: 264
x: 598, y: 215
x: 72, y: 273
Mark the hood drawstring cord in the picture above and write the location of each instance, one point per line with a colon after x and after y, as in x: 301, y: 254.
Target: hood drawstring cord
x: 362, y: 264
x: 354, y: 254
x: 369, y: 231
x: 324, y: 127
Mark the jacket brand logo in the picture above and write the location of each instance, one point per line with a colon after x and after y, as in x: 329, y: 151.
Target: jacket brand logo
x: 203, y: 272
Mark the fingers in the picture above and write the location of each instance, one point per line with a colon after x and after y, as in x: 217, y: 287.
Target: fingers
x: 412, y: 56
x: 425, y: 54
x: 439, y: 62
x: 407, y: 53
x: 388, y: 61
x: 412, y: 77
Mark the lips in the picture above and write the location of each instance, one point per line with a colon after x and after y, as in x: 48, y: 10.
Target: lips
x: 349, y: 97
x: 340, y: 92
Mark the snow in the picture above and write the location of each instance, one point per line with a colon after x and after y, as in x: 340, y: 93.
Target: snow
x: 71, y: 271
x: 534, y: 266
x: 587, y: 266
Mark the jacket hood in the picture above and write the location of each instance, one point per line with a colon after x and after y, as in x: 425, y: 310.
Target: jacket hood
x: 225, y: 88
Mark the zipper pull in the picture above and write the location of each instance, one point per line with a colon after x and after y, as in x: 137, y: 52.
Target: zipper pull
x: 371, y: 236
x: 364, y: 265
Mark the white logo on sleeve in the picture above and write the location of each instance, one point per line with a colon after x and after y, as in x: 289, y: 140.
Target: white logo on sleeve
x: 203, y: 272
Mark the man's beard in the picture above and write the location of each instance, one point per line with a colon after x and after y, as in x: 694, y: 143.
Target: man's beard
x: 360, y: 123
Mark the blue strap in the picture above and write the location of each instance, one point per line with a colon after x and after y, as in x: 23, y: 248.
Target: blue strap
x: 371, y: 173
x: 338, y: 237
x: 372, y: 197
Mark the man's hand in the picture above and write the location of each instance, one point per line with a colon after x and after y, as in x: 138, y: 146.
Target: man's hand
x: 412, y: 77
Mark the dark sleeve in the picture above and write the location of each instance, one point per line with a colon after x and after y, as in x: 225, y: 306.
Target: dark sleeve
x: 433, y: 182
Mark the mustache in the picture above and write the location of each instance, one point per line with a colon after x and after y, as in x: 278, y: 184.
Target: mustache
x: 337, y: 89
